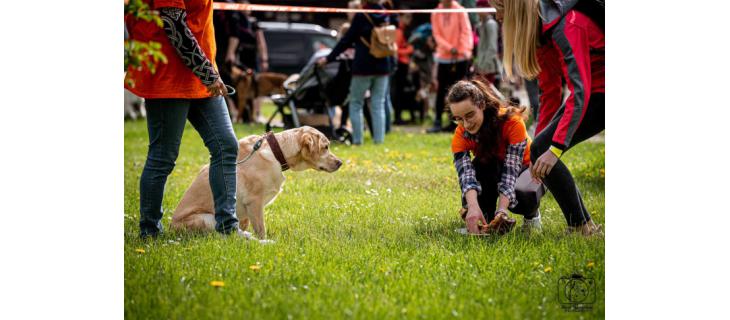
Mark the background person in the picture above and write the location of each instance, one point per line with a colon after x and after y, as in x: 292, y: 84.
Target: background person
x: 253, y: 53
x: 454, y: 44
x: 400, y: 78
x: 487, y: 62
x: 422, y: 64
x: 368, y: 73
x: 227, y: 40
x: 184, y: 89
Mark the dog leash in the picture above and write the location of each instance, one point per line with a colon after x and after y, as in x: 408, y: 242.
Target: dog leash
x: 275, y: 148
x: 256, y: 147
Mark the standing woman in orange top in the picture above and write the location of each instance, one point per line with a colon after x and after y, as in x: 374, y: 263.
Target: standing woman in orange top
x: 555, y: 40
x: 188, y: 87
x: 496, y: 135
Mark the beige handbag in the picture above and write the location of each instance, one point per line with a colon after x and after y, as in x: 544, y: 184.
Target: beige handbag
x: 382, y: 40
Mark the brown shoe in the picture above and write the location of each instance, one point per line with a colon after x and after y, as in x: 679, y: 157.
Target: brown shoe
x: 589, y: 229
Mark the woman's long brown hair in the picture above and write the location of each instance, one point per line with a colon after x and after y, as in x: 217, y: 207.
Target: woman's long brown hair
x: 490, y: 132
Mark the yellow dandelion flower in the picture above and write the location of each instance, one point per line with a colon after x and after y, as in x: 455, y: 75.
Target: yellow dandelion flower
x: 217, y: 284
x: 254, y: 267
x: 590, y: 264
x: 139, y: 250
x: 548, y: 269
x: 603, y: 172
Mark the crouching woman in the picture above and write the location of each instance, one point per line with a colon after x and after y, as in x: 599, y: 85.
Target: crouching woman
x: 495, y: 133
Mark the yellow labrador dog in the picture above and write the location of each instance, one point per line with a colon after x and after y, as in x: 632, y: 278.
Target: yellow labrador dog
x: 259, y: 179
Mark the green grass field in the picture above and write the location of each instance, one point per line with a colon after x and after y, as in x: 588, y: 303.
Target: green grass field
x: 374, y: 240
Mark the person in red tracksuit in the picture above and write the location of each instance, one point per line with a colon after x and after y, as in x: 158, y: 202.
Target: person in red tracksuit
x: 557, y: 42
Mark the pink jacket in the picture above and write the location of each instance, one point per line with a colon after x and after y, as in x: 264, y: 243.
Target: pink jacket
x: 452, y: 30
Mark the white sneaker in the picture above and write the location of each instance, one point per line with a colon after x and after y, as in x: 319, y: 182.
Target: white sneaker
x: 246, y: 235
x: 249, y: 236
x: 534, y: 224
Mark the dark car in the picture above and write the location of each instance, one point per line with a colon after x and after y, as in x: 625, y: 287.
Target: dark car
x: 290, y: 45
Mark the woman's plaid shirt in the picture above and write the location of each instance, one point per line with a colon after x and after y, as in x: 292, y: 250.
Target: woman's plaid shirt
x: 510, y: 171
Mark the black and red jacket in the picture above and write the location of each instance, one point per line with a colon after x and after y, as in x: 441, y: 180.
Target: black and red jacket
x: 571, y: 49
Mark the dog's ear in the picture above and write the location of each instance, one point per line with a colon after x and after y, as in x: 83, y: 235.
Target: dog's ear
x: 306, y: 140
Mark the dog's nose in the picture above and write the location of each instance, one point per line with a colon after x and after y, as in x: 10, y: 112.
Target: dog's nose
x: 339, y: 163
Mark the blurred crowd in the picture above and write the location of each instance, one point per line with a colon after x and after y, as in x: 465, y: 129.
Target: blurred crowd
x: 429, y: 57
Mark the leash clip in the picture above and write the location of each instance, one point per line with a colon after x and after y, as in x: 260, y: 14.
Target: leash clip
x: 231, y: 90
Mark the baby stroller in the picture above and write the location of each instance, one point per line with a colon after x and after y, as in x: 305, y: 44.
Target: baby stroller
x: 317, y: 90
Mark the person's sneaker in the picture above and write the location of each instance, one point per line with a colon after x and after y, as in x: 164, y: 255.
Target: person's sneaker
x: 587, y: 230
x: 260, y: 120
x: 532, y: 225
x: 144, y: 235
x: 245, y: 234
x: 249, y: 236
x: 450, y: 128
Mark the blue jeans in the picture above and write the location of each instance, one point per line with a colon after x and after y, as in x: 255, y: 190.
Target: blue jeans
x: 388, y: 104
x: 165, y: 124
x: 377, y: 86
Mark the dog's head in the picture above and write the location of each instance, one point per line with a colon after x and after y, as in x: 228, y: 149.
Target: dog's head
x: 315, y: 151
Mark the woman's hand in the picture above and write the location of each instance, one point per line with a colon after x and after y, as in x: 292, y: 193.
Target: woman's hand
x: 473, y: 216
x: 544, y: 164
x: 217, y: 88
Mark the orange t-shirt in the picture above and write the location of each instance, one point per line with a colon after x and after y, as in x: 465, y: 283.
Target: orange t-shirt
x: 174, y: 79
x: 513, y: 131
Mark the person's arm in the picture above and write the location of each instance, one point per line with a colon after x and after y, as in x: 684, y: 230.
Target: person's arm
x: 263, y: 50
x: 572, y: 41
x: 232, y: 20
x: 231, y: 52
x: 440, y: 38
x: 403, y: 46
x: 347, y: 39
x: 550, y: 84
x: 467, y: 175
x: 466, y: 36
x: 512, y: 168
x: 186, y: 46
x: 492, y: 35
x: 435, y: 74
x: 516, y: 139
x: 470, y: 189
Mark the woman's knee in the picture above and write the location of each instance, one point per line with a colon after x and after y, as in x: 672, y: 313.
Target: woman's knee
x: 162, y: 157
x: 229, y: 147
x: 225, y: 148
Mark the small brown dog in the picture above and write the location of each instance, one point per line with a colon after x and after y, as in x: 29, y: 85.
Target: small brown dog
x: 250, y: 85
